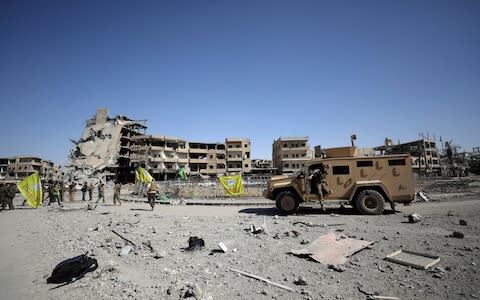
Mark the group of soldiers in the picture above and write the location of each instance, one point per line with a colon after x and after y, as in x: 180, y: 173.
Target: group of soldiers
x: 55, y: 191
x: 101, y: 192
x: 7, y: 193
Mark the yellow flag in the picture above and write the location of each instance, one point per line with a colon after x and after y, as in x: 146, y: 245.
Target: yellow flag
x: 31, y: 189
x: 232, y: 185
x: 144, y: 176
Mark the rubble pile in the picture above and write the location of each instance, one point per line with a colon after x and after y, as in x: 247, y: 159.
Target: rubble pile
x: 449, y: 186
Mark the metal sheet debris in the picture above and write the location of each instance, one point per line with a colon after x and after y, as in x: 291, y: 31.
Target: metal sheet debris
x: 413, y: 259
x: 333, y: 248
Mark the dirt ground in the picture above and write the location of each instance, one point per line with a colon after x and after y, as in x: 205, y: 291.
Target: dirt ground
x: 159, y: 267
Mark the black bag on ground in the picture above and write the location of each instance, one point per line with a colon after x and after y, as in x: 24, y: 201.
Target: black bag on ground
x: 71, y: 268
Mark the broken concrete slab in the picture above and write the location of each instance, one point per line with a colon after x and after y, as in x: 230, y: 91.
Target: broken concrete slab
x: 423, y: 196
x: 125, y: 250
x: 414, y: 218
x: 223, y: 247
x: 333, y: 248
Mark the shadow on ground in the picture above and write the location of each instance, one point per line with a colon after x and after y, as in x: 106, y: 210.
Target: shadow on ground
x: 271, y: 211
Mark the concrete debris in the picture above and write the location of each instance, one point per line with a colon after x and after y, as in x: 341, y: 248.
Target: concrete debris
x: 255, y: 230
x: 190, y: 291
x: 457, y: 235
x: 423, y: 196
x: 125, y: 250
x: 336, y: 268
x: 414, y: 218
x: 300, y: 281
x: 223, y: 247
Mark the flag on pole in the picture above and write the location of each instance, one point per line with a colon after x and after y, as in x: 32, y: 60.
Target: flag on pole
x: 144, y: 176
x: 182, y: 174
x: 232, y: 185
x: 31, y: 189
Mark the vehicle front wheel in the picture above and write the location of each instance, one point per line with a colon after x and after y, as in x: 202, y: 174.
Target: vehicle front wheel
x: 370, y: 202
x: 287, y: 202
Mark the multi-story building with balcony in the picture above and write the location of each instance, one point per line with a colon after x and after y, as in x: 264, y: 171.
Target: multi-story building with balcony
x: 238, y: 155
x: 290, y: 154
x: 19, y: 167
x: 161, y: 155
x: 207, y: 158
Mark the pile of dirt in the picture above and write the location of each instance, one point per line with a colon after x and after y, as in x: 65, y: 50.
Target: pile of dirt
x: 449, y: 186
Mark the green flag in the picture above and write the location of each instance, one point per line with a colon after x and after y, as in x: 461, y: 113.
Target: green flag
x: 182, y: 174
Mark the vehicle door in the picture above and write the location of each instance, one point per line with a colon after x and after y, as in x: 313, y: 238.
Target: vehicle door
x: 339, y: 179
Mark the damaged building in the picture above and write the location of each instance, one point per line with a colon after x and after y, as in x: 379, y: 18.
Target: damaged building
x: 104, y: 149
x: 112, y: 148
x: 424, y: 153
x: 18, y: 167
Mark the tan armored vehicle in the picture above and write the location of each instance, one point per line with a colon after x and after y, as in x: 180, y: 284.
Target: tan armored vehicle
x: 364, y: 182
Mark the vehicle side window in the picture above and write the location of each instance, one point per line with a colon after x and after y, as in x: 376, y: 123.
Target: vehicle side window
x: 341, y: 170
x: 365, y: 163
x: 396, y: 162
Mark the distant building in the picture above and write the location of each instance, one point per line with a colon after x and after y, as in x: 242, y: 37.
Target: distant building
x: 19, y: 167
x: 161, y: 155
x: 238, y: 155
x: 424, y: 153
x: 290, y: 154
x: 263, y: 166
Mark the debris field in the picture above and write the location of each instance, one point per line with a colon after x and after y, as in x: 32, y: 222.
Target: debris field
x: 237, y: 252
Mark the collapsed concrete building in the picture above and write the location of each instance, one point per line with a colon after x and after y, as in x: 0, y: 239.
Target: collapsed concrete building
x: 104, y: 149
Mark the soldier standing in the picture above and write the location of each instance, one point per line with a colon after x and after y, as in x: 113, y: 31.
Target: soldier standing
x: 12, y: 190
x: 71, y: 191
x: 152, y: 193
x: 3, y: 195
x: 84, y: 190
x: 116, y: 194
x: 90, y: 191
x: 54, y: 193
x: 101, y: 191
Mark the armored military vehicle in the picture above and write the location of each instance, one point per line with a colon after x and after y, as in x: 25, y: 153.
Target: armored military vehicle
x: 341, y: 176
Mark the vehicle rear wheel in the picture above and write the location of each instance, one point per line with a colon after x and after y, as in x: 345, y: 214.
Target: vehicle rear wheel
x: 287, y: 202
x: 370, y: 202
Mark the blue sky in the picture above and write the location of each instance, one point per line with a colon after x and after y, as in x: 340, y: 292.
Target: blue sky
x: 207, y: 70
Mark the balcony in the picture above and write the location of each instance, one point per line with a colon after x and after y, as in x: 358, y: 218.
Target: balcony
x: 197, y: 150
x: 234, y: 159
x: 198, y: 161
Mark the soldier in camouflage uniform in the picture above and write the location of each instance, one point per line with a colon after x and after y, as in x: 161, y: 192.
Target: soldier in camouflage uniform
x: 116, y: 193
x: 8, y: 193
x: 2, y: 195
